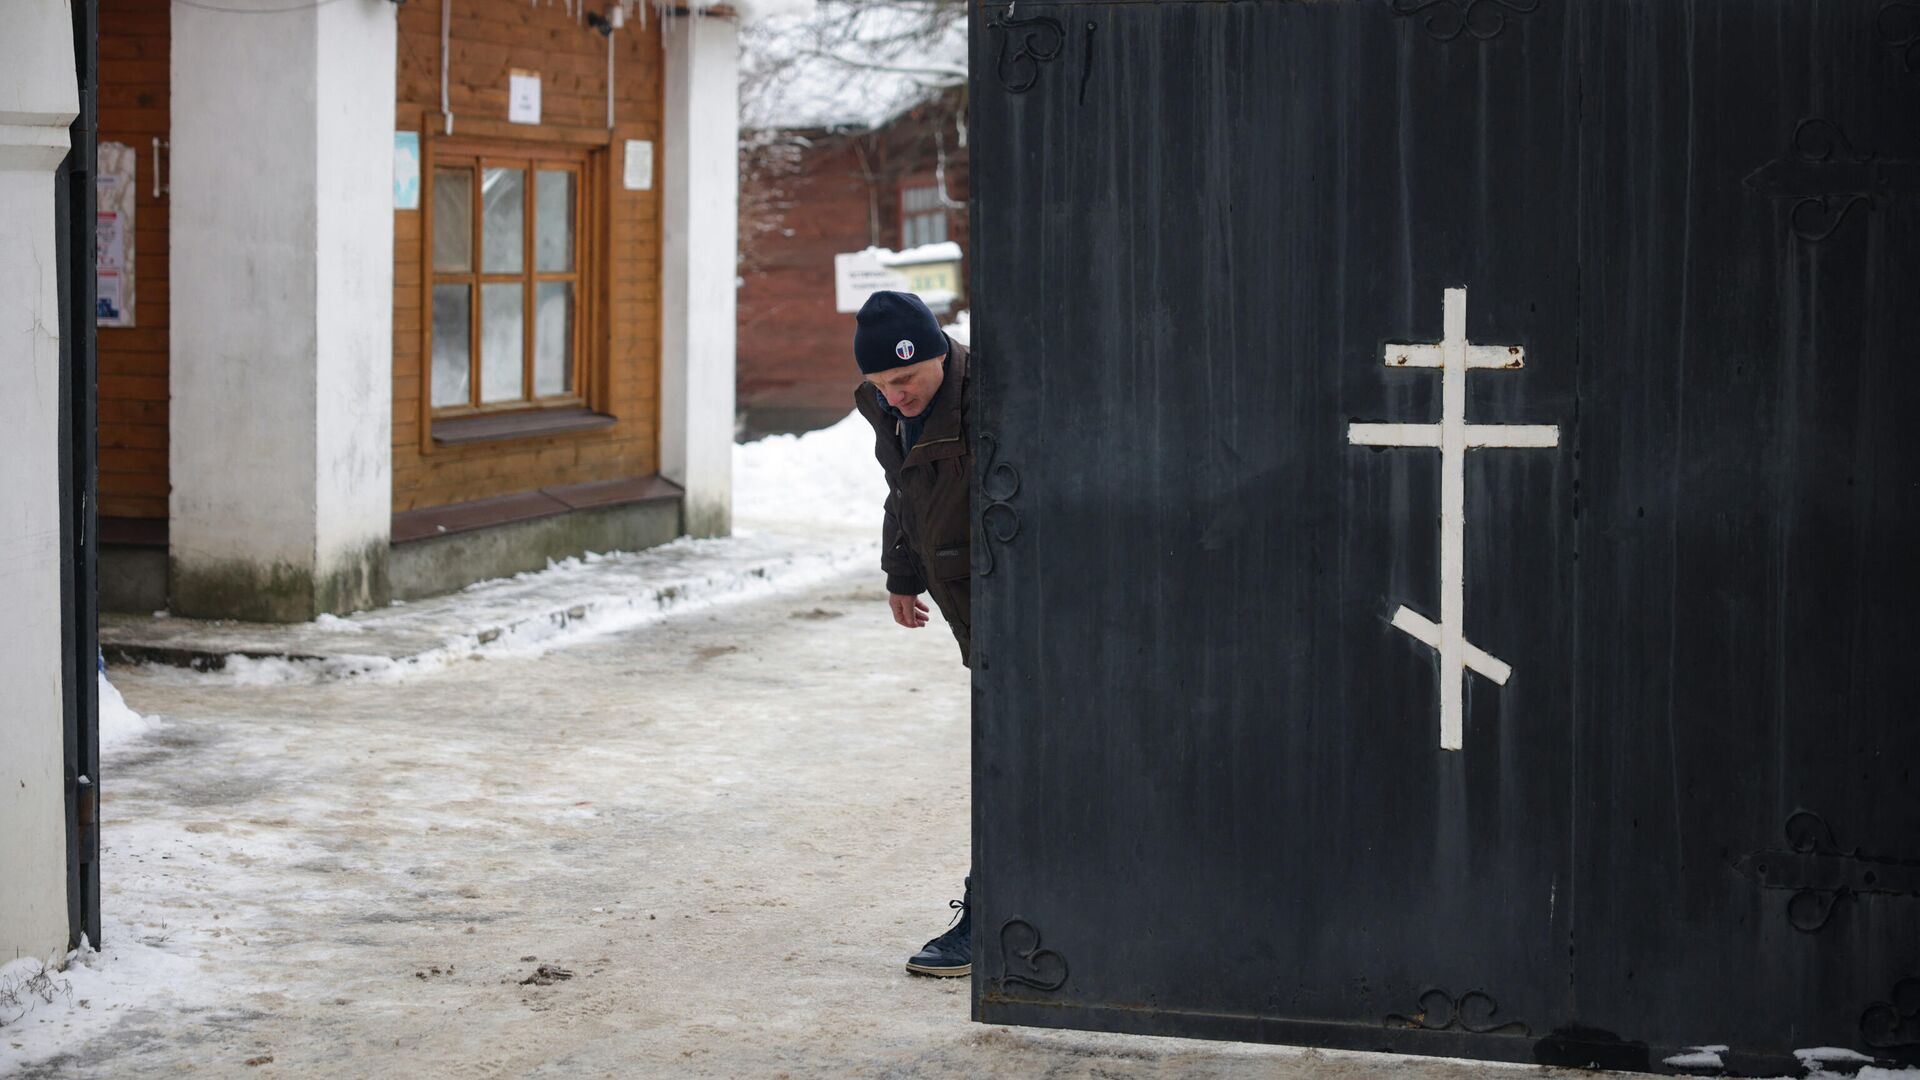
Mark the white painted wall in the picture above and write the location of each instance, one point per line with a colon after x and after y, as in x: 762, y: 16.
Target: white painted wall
x: 39, y: 97
x: 354, y: 454
x: 280, y: 191
x: 700, y: 202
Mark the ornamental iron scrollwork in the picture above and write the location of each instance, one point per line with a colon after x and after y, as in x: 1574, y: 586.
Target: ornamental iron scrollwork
x: 1820, y: 874
x: 1898, y: 23
x: 999, y: 521
x: 1894, y: 1024
x: 1448, y: 19
x: 1041, y: 969
x: 1827, y: 178
x: 1472, y: 1012
x: 1025, y: 44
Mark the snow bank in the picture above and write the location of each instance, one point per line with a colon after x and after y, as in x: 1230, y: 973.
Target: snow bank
x: 826, y: 477
x: 47, y: 1009
x: 822, y: 478
x: 1699, y: 1057
x: 119, y: 724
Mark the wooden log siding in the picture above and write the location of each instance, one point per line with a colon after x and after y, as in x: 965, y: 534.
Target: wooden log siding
x: 135, y: 44
x: 489, y: 38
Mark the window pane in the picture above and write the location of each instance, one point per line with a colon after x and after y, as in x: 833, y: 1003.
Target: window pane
x: 452, y: 337
x: 453, y: 220
x: 503, y: 232
x: 553, y: 222
x: 553, y: 338
x: 502, y: 342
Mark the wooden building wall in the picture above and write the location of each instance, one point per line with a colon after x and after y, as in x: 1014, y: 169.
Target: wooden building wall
x: 489, y: 38
x: 134, y: 45
x: 839, y: 193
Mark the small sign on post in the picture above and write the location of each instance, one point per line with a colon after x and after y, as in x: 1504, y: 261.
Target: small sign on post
x: 858, y: 275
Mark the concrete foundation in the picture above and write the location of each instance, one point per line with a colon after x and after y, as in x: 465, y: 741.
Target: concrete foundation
x: 133, y: 578
x: 440, y: 564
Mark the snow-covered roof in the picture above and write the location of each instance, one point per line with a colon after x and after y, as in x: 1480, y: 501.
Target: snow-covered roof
x: 848, y: 63
x: 745, y: 12
x: 754, y: 11
x: 945, y: 251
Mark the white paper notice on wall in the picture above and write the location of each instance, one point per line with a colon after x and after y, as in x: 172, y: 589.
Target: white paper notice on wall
x: 523, y: 96
x: 639, y: 169
x: 113, y: 233
x: 858, y: 275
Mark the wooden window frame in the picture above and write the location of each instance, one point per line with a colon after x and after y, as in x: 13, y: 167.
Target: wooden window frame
x: 587, y: 278
x: 919, y: 182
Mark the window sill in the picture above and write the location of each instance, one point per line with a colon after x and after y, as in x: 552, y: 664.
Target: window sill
x: 517, y: 425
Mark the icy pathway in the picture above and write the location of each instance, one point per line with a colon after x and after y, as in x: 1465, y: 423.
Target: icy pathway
x: 731, y: 826
x: 538, y: 610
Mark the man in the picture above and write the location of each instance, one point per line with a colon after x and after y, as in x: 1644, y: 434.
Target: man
x: 915, y: 396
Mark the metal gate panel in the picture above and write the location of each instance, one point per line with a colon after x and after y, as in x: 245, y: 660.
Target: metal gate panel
x: 1747, y: 819
x: 1216, y: 581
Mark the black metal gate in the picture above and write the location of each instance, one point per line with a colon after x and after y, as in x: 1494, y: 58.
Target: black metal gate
x: 75, y: 224
x: 1448, y: 516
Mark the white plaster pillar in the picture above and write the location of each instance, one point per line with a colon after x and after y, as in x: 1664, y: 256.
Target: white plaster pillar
x: 280, y: 188
x: 39, y: 97
x: 700, y: 201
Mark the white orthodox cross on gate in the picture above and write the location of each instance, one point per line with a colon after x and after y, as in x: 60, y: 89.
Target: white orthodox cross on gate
x: 1453, y: 437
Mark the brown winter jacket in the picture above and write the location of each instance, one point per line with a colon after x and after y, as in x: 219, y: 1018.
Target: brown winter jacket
x: 924, y: 543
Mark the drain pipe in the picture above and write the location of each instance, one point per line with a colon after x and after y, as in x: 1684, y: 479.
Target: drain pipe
x: 446, y: 25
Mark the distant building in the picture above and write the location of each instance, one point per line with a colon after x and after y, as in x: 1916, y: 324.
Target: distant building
x: 809, y: 193
x: 321, y: 388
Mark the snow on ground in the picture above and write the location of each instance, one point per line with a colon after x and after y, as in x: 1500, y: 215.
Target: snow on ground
x: 818, y: 497
x: 119, y: 724
x: 46, y: 1010
x: 823, y: 477
x: 730, y: 826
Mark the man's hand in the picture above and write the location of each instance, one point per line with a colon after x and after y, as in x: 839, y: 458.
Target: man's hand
x: 908, y: 611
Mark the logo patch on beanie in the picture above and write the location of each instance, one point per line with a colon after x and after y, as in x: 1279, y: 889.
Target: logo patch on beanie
x: 904, y: 349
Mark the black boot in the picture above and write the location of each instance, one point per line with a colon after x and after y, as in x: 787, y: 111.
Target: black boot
x: 951, y: 954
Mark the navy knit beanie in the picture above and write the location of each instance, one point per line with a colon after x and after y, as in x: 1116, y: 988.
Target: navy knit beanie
x: 895, y: 329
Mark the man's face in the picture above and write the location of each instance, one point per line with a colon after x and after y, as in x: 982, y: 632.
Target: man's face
x: 909, y: 389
